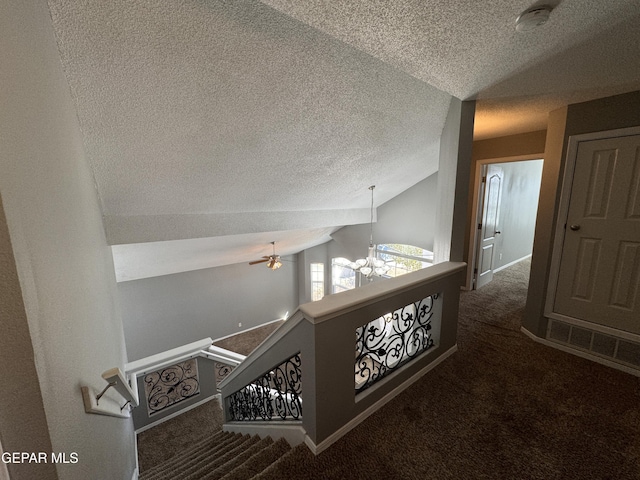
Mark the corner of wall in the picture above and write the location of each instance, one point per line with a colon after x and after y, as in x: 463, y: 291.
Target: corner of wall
x: 534, y: 320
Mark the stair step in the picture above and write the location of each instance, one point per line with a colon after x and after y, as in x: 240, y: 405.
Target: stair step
x: 259, y: 461
x: 232, y: 462
x: 205, y: 443
x: 213, y: 446
x: 209, y: 465
x: 201, y: 460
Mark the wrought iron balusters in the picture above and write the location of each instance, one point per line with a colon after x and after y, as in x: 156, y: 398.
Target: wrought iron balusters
x: 388, y: 342
x: 276, y: 393
x: 170, y: 385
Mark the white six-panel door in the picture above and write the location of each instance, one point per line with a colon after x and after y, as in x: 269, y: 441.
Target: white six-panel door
x: 489, y: 226
x: 599, y: 270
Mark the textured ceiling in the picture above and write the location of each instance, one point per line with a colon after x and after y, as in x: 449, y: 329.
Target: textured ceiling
x: 229, y: 121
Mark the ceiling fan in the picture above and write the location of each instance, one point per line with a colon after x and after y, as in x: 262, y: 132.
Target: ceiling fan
x: 273, y: 261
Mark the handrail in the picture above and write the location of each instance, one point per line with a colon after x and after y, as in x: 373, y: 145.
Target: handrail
x: 333, y: 305
x: 271, y: 340
x: 323, y: 333
x: 224, y: 355
x: 125, y: 383
x: 116, y: 379
x: 160, y: 360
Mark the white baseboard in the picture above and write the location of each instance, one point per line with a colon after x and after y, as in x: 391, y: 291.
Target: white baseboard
x: 581, y: 354
x: 334, y: 437
x: 135, y: 473
x: 495, y: 270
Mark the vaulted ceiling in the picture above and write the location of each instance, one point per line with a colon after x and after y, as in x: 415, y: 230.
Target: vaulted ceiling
x: 214, y: 127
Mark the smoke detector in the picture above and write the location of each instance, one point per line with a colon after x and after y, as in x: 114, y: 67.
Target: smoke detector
x: 532, y: 18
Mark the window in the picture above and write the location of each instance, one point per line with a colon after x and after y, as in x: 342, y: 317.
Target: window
x: 342, y: 276
x: 404, y: 258
x: 317, y: 281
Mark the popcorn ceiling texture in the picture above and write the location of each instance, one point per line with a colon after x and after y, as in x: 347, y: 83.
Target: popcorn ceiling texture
x: 243, y: 110
x: 216, y: 107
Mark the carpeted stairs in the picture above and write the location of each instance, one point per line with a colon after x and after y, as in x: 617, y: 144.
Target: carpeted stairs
x: 224, y: 455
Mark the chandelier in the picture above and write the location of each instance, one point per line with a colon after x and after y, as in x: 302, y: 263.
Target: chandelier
x: 371, y: 265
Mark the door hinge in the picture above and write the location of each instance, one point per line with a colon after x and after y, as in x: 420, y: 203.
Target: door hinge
x: 479, y: 226
x: 484, y: 179
x: 475, y: 271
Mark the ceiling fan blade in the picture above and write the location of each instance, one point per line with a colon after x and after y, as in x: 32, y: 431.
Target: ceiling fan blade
x: 259, y: 261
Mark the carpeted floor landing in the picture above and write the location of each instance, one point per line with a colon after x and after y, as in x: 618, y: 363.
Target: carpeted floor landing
x: 502, y: 407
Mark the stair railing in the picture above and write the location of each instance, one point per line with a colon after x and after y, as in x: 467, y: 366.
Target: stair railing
x: 161, y: 381
x: 352, y: 361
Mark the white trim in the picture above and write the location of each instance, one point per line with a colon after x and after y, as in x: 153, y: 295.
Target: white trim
x: 248, y: 329
x: 563, y: 207
x: 292, y: 432
x: 475, y: 205
x: 223, y: 355
x: 332, y: 306
x: 176, y: 413
x: 354, y: 422
x: 134, y: 475
x: 581, y: 354
x: 153, y: 361
x: 510, y: 264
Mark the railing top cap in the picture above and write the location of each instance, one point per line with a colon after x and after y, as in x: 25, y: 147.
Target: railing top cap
x: 329, y: 305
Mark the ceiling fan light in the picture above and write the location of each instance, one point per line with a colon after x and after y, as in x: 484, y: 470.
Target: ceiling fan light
x: 361, y: 262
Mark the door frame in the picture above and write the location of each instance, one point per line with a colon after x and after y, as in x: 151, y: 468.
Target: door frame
x: 558, y: 241
x: 476, y: 214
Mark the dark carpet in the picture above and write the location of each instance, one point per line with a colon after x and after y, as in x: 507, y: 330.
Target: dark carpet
x: 501, y: 407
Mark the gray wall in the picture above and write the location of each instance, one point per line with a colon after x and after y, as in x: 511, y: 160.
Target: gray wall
x: 518, y: 209
x: 454, y: 170
x: 165, y: 312
x: 620, y: 111
x: 63, y: 262
x: 408, y: 218
x: 19, y: 375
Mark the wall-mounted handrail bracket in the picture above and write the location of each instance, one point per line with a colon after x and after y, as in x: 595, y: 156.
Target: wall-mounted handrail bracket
x: 99, y: 396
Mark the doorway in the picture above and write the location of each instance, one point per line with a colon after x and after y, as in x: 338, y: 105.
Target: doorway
x: 505, y: 209
x: 595, y: 273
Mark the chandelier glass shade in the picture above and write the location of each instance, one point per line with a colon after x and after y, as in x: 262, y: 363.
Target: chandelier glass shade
x: 371, y: 265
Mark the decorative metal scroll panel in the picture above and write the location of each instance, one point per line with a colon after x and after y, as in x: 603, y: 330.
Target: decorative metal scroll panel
x: 222, y: 371
x: 276, y: 393
x: 388, y: 342
x: 168, y: 386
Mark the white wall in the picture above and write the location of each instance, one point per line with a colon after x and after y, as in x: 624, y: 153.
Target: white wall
x: 518, y: 210
x: 164, y: 312
x: 62, y: 258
